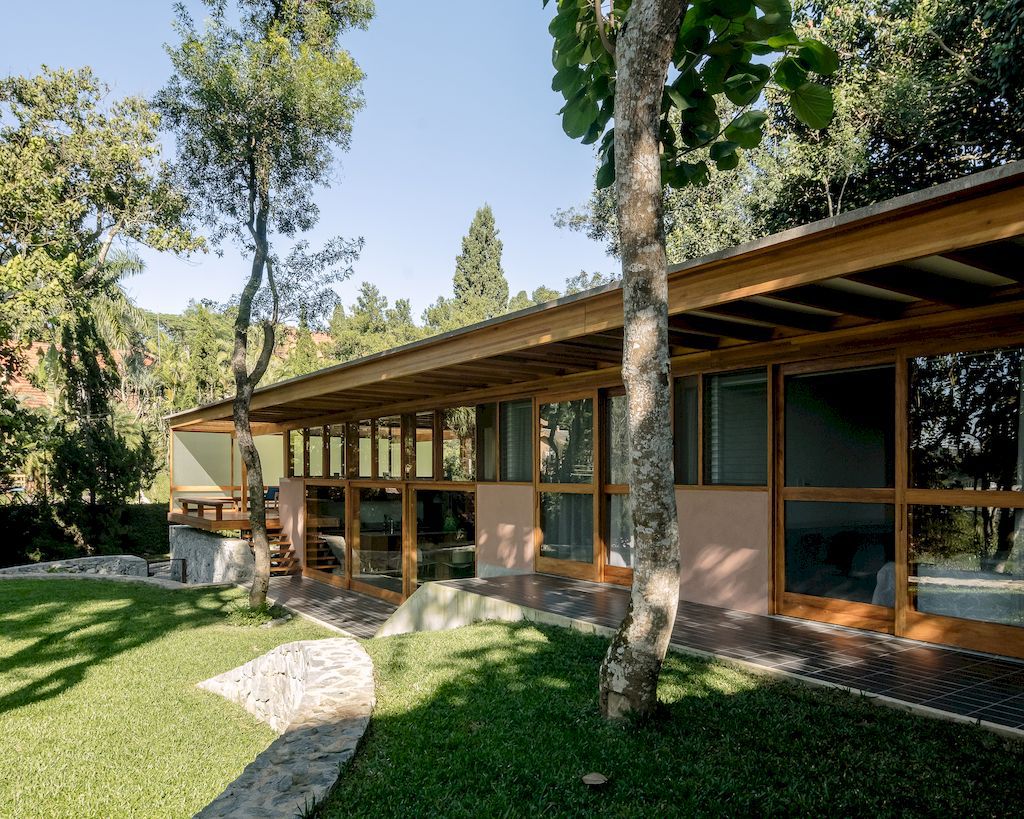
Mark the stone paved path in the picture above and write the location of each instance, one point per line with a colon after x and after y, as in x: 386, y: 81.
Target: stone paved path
x: 318, y: 694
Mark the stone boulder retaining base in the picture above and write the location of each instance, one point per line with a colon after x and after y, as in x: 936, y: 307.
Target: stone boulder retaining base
x: 212, y: 558
x: 123, y: 565
x: 318, y: 694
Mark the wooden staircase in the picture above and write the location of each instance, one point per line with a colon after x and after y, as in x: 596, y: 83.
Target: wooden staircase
x: 283, y: 559
x: 319, y: 556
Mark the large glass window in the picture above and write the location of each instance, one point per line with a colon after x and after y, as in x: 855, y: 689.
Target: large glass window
x: 618, y: 440
x: 316, y: 452
x: 968, y: 562
x: 325, y: 529
x: 516, y: 422
x: 389, y: 448
x: 840, y: 428
x: 459, y: 444
x: 686, y: 418
x: 487, y: 442
x: 425, y: 445
x: 567, y: 441
x: 966, y: 420
x: 736, y: 428
x: 377, y: 546
x: 336, y: 452
x: 845, y: 551
x: 445, y: 534
x: 365, y: 449
x: 567, y: 522
x: 296, y: 447
x: 620, y: 532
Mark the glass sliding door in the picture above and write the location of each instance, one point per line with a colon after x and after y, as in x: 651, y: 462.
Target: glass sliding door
x: 965, y: 504
x: 567, y: 488
x: 445, y: 534
x: 837, y: 501
x: 326, y: 546
x: 377, y: 554
x: 616, y: 524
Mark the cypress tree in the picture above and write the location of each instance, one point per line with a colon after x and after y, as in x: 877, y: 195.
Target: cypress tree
x: 479, y: 279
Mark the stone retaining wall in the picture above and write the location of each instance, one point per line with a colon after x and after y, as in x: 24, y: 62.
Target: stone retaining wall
x: 318, y: 694
x: 126, y: 565
x: 212, y: 558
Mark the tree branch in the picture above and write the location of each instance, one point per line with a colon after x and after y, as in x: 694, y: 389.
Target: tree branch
x: 602, y: 27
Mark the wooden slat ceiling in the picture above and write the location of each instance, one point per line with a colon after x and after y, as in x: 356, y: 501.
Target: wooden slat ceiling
x: 585, y: 334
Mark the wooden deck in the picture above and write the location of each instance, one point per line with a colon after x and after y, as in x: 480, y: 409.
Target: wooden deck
x: 232, y: 521
x: 358, y: 614
x: 977, y: 686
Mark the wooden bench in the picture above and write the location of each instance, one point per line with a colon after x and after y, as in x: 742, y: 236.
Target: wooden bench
x: 217, y: 503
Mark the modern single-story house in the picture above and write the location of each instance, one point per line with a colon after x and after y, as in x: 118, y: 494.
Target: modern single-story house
x: 848, y: 419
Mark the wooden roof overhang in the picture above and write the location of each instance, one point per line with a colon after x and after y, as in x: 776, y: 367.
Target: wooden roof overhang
x: 948, y: 257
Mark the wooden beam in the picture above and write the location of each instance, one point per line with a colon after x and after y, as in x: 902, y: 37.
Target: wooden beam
x: 721, y: 328
x: 841, y: 302
x: 777, y: 316
x: 1002, y: 258
x: 920, y: 284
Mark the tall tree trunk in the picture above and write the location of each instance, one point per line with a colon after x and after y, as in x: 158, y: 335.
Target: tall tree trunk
x: 245, y: 384
x: 629, y: 673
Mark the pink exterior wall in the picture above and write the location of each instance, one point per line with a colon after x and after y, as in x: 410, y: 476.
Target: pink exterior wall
x: 504, y: 525
x: 724, y: 548
x: 292, y: 510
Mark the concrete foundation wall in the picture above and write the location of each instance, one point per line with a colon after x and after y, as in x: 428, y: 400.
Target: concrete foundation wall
x: 211, y: 558
x: 724, y: 545
x: 504, y: 526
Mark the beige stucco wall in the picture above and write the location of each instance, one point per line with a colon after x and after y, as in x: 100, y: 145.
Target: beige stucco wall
x: 504, y: 529
x: 724, y: 548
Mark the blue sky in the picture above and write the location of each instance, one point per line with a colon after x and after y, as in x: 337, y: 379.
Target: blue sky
x: 459, y: 111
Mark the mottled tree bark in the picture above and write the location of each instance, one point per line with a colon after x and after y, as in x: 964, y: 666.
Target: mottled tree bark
x: 245, y: 384
x: 629, y: 673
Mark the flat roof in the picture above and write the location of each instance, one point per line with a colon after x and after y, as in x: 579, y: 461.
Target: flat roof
x: 953, y: 246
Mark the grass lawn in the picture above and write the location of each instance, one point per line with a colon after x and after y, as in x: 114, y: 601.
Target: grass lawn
x: 502, y: 720
x: 99, y: 713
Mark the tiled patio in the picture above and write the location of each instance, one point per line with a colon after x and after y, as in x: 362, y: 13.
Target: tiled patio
x: 977, y: 686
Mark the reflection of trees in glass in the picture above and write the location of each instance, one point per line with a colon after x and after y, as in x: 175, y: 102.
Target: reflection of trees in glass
x: 965, y: 433
x: 968, y: 538
x: 459, y: 444
x: 618, y: 440
x: 567, y: 441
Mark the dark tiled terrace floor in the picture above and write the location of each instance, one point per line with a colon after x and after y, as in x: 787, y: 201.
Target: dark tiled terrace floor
x: 973, y: 685
x: 358, y: 614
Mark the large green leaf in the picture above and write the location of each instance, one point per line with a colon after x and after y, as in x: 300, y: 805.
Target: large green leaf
x: 812, y: 104
x: 819, y: 57
x: 724, y: 155
x: 745, y: 130
x: 578, y: 115
x: 745, y: 86
x: 790, y: 74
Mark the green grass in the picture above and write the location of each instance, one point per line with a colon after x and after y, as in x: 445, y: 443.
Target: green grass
x: 99, y: 713
x: 502, y: 720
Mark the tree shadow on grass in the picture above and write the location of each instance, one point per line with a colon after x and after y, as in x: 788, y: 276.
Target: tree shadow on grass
x: 73, y: 625
x: 502, y: 719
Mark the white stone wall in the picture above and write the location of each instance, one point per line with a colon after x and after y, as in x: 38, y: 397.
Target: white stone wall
x: 212, y: 558
x: 126, y: 565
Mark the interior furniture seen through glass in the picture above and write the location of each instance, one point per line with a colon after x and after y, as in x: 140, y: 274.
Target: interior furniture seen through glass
x: 840, y: 428
x: 620, y: 532
x: 685, y: 410
x: 736, y: 428
x: 567, y: 441
x: 965, y: 414
x: 377, y: 546
x: 516, y: 434
x: 459, y: 444
x: 845, y: 551
x: 325, y: 528
x: 567, y: 522
x: 445, y: 534
x: 968, y: 562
